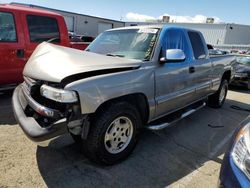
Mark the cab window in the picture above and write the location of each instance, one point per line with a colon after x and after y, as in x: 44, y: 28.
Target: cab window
x: 43, y: 28
x: 174, y: 39
x: 197, y: 45
x: 7, y: 28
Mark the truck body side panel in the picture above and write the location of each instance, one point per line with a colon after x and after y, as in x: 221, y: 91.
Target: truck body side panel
x: 94, y: 91
x: 176, y: 85
x: 221, y: 64
x: 12, y: 48
x: 201, y: 77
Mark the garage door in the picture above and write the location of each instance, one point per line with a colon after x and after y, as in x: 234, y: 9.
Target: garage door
x: 69, y: 22
x: 104, y: 26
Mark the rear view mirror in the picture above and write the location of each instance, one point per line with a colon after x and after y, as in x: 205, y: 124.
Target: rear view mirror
x: 173, y: 55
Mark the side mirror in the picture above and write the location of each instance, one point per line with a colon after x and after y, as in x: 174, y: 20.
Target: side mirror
x: 173, y: 55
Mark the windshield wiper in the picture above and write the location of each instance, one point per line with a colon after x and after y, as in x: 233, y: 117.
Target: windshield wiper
x: 114, y: 55
x: 55, y: 39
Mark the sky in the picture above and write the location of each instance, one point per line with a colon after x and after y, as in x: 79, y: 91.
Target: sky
x: 226, y: 11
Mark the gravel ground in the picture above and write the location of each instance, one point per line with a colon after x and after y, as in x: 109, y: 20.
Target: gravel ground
x: 188, y: 154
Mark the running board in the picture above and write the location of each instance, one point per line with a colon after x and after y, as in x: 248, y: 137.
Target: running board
x: 167, y: 124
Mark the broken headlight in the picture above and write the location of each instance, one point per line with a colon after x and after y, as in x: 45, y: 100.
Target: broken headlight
x: 59, y: 95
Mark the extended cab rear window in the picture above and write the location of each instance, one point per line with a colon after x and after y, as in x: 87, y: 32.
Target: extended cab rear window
x: 42, y: 28
x: 197, y: 45
x: 7, y: 27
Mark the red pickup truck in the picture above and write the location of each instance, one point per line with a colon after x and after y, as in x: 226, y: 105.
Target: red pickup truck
x: 21, y: 30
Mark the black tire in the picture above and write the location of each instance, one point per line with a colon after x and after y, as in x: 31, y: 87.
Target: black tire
x: 76, y: 138
x: 214, y: 100
x: 248, y: 85
x: 94, y: 146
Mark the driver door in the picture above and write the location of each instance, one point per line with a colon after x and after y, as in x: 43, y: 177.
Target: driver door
x: 174, y: 88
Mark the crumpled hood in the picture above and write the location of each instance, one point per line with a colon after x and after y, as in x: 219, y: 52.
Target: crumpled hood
x: 54, y: 63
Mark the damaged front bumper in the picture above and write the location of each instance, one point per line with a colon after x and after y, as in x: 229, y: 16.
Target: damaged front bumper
x: 29, y: 125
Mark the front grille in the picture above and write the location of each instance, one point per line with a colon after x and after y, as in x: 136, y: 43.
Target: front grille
x: 31, y: 85
x: 29, y: 82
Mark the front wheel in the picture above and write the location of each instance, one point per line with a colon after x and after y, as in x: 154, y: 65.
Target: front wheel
x: 217, y: 99
x: 113, y: 134
x: 76, y: 138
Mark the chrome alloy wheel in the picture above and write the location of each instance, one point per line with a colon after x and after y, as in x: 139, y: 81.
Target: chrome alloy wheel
x: 118, y: 135
x: 222, y: 93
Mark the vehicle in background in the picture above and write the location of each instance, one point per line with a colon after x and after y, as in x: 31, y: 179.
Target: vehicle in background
x: 242, y: 52
x: 235, y: 169
x: 127, y: 79
x: 21, y: 30
x: 210, y: 47
x: 85, y: 38
x: 213, y: 51
x: 73, y: 37
x: 217, y: 52
x: 242, y: 72
x: 80, y: 38
x: 234, y: 51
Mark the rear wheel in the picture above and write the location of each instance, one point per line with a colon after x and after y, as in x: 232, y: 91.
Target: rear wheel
x: 113, y: 134
x: 217, y: 99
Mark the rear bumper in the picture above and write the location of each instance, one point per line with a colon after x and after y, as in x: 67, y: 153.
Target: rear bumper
x: 30, y: 126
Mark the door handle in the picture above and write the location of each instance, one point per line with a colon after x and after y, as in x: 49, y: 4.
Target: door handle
x: 20, y: 53
x: 191, y: 69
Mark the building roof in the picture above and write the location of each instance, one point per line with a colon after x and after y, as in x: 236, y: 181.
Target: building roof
x: 27, y: 9
x: 185, y: 23
x: 138, y: 27
x: 63, y: 11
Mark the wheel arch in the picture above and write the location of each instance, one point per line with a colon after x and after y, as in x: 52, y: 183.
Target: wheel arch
x: 226, y: 76
x: 139, y: 100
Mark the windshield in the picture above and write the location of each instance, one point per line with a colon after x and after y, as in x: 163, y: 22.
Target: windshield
x: 130, y: 43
